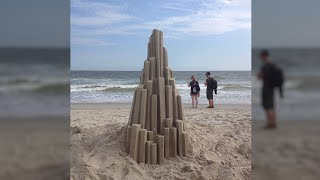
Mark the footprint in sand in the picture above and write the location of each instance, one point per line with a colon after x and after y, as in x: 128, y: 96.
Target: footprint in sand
x: 221, y: 147
x: 244, y: 149
x: 237, y: 132
x: 226, y: 173
x: 187, y: 169
x: 75, y: 130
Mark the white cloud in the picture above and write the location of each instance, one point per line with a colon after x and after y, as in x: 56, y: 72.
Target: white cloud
x: 89, y: 41
x: 89, y: 13
x: 209, y: 17
x: 176, y: 6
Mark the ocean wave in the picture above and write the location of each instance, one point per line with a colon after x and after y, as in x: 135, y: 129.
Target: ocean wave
x: 106, y: 88
x: 130, y: 88
x: 117, y: 89
x: 34, y: 85
x: 295, y: 83
x: 304, y: 84
x: 55, y: 88
x: 235, y: 87
x: 220, y: 87
x: 17, y: 81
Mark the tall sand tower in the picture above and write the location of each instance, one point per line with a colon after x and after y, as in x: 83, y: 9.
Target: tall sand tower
x: 156, y: 127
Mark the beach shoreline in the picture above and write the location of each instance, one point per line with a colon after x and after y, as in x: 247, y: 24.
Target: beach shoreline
x: 96, y: 106
x: 220, y: 144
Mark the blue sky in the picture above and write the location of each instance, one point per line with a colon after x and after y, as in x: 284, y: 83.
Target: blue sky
x: 34, y: 23
x: 285, y: 23
x: 198, y: 34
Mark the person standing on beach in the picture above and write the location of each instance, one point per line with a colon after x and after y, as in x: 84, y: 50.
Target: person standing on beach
x: 272, y: 77
x: 195, y: 91
x: 211, y: 85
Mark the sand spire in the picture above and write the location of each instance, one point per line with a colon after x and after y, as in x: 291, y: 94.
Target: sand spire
x: 156, y: 127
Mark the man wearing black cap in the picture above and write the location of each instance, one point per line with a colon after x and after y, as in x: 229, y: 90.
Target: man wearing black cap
x: 211, y: 85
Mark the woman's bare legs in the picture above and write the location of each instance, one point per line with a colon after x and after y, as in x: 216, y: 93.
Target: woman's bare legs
x: 192, y: 97
x: 196, y: 98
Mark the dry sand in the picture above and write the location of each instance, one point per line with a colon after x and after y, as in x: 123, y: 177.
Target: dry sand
x: 220, y: 145
x: 35, y: 148
x: 290, y: 152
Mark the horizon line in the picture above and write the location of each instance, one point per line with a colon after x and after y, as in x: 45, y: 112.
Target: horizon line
x: 285, y: 47
x: 35, y: 47
x: 173, y: 70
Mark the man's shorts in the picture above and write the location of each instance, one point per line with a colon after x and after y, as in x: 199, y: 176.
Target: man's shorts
x: 268, y: 99
x: 209, y: 94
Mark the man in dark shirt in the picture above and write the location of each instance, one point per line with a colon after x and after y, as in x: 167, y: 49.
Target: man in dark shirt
x: 267, y: 92
x: 209, y: 84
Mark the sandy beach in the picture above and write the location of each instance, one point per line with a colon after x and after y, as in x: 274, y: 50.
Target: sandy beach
x: 220, y: 144
x: 287, y: 153
x: 35, y: 148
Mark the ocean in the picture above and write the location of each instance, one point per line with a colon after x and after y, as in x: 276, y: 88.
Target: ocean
x: 302, y: 84
x: 34, y: 82
x: 234, y: 87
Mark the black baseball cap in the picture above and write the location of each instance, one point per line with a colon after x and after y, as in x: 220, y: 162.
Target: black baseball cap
x: 207, y: 73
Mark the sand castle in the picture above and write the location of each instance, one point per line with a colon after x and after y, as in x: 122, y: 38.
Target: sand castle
x: 156, y: 127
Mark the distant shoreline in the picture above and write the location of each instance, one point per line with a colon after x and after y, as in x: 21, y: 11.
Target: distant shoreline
x: 73, y: 70
x: 35, y: 47
x: 97, y: 106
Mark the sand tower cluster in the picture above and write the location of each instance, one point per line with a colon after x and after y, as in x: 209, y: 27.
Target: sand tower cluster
x: 156, y: 127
